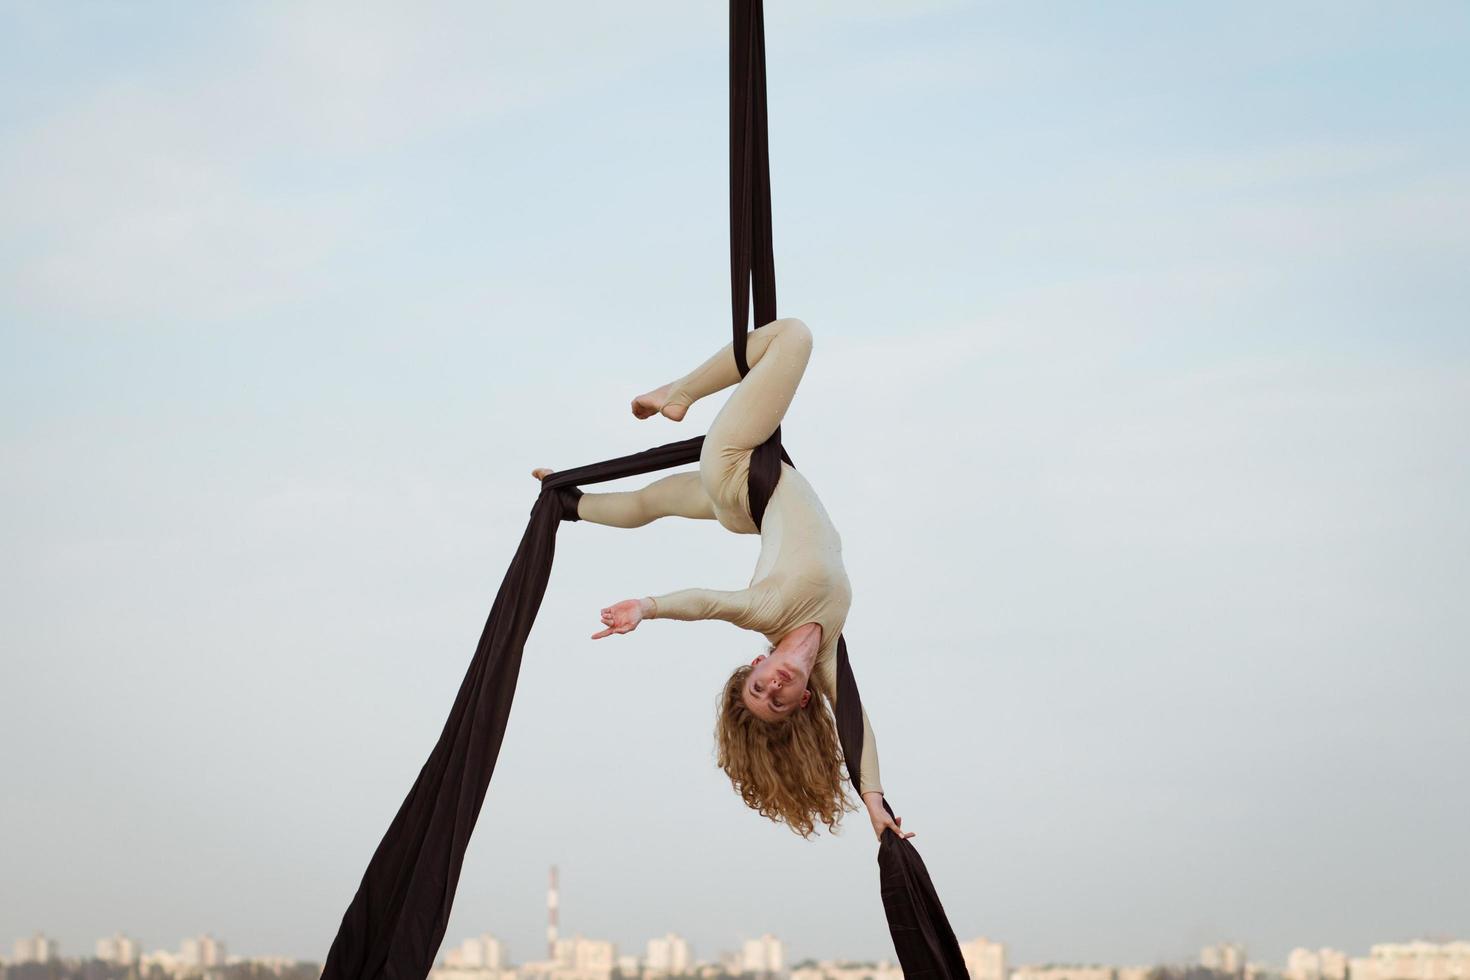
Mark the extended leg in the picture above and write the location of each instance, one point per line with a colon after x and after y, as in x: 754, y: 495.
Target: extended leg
x: 676, y: 495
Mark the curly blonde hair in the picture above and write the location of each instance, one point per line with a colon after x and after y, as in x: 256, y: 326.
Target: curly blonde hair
x: 790, y: 771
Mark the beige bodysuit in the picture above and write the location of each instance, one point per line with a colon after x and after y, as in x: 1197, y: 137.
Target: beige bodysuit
x: 799, y: 577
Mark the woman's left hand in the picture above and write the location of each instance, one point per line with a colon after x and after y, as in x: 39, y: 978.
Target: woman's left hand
x: 880, y: 818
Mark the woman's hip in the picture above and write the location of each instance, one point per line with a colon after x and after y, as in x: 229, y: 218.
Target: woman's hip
x: 724, y: 471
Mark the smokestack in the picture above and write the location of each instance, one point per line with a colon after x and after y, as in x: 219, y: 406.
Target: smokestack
x: 553, y: 901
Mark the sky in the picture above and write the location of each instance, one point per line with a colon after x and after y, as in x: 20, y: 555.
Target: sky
x: 1138, y: 395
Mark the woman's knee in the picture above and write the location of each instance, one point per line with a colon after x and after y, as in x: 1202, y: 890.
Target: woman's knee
x: 796, y: 330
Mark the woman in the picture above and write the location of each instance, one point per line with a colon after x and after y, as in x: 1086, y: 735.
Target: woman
x: 776, y: 739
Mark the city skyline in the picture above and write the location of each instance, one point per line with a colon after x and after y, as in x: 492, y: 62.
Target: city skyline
x: 484, y: 957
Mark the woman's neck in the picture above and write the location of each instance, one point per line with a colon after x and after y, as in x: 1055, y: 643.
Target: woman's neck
x: 804, y: 653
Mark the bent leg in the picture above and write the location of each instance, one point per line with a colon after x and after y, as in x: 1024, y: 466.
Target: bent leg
x: 676, y: 495
x: 718, y: 371
x: 778, y: 354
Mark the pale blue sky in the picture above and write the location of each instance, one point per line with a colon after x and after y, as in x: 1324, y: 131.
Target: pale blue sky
x: 1165, y: 302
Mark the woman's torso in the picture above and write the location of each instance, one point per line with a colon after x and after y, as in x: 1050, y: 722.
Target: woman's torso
x: 799, y: 573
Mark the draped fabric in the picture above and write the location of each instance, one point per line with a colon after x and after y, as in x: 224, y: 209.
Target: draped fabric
x: 395, y: 923
x: 922, y: 936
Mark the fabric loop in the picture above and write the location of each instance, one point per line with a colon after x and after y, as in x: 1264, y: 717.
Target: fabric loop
x: 569, y: 498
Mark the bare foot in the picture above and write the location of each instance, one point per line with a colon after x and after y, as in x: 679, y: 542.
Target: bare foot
x: 657, y: 402
x: 542, y: 472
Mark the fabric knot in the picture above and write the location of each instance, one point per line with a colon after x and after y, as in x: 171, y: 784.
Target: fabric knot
x: 569, y: 498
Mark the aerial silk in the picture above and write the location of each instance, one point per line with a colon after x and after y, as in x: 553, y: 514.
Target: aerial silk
x: 395, y: 924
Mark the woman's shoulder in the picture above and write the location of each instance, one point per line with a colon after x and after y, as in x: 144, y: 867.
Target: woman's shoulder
x: 768, y: 601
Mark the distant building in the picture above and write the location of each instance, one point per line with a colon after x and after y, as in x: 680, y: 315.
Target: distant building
x: 1224, y: 958
x: 576, y: 958
x: 1062, y: 972
x: 201, y: 951
x: 483, y: 952
x: 1413, y: 961
x: 279, y: 965
x: 984, y: 959
x: 1320, y: 964
x: 119, y: 949
x: 593, y: 958
x: 763, y: 957
x: 160, y: 959
x: 730, y: 963
x: 668, y: 955
x: 843, y: 970
x: 37, y: 948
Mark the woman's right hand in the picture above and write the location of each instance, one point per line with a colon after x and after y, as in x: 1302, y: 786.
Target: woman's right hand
x: 621, y: 617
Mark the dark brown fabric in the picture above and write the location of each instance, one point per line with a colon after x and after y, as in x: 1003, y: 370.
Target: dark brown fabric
x: 395, y: 923
x: 752, y: 248
x: 569, y: 497
x: 922, y: 936
x: 752, y: 245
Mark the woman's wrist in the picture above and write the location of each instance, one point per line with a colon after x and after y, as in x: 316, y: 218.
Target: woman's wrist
x: 647, y: 608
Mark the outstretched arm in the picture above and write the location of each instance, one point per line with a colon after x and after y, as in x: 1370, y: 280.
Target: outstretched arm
x: 739, y: 607
x: 742, y: 607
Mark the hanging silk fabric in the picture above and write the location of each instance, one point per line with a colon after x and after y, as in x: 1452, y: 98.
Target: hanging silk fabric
x: 395, y: 924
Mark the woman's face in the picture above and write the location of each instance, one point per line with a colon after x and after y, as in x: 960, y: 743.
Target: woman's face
x: 777, y: 683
